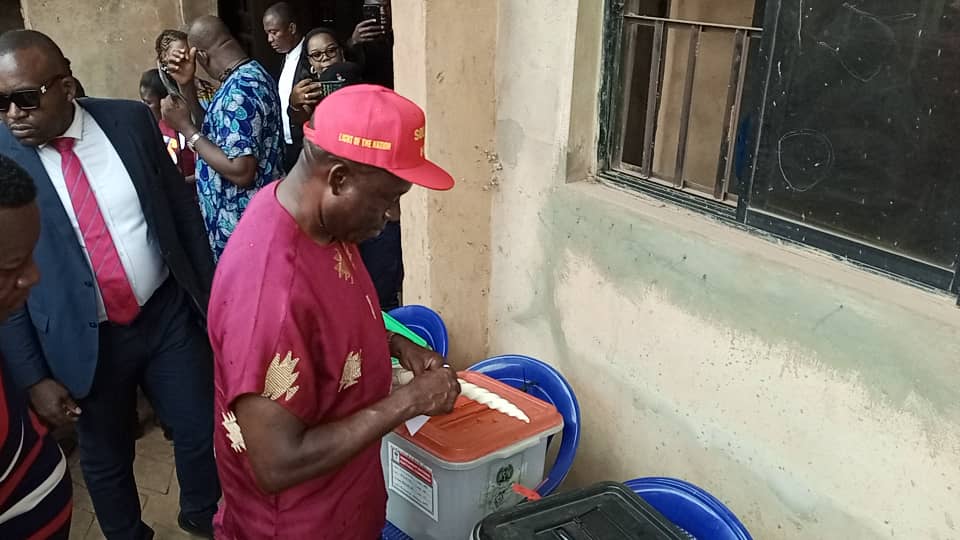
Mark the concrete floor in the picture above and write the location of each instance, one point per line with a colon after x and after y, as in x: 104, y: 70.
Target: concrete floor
x: 157, y: 483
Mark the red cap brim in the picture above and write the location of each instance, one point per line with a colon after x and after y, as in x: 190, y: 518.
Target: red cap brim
x: 428, y: 175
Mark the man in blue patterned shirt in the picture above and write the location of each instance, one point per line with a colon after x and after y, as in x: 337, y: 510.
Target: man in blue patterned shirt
x: 239, y: 145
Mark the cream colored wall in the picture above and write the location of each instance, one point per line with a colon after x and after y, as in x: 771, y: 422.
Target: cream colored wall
x: 816, y: 399
x: 444, y: 61
x: 110, y: 43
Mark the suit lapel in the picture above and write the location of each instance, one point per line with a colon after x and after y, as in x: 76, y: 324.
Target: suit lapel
x: 52, y: 212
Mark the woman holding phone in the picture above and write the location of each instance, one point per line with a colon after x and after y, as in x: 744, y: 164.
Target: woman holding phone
x: 323, y: 51
x: 383, y: 255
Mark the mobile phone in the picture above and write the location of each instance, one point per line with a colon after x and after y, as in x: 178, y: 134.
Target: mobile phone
x: 171, y: 85
x: 329, y: 87
x: 379, y: 12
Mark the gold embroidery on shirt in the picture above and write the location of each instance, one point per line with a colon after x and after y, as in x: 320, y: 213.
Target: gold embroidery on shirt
x: 351, y: 370
x: 233, y: 432
x: 281, y: 375
x: 344, y: 267
x: 346, y: 250
x: 372, y: 310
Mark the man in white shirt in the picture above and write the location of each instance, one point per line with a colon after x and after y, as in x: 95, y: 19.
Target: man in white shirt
x: 286, y: 37
x: 126, y: 277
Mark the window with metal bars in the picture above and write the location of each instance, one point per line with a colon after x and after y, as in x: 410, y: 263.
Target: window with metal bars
x: 822, y: 122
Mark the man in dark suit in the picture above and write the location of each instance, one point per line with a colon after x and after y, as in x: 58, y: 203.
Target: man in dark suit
x: 126, y: 272
x: 286, y: 37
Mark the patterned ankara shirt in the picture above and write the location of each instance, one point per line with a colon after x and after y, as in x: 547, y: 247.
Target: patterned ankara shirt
x: 243, y: 120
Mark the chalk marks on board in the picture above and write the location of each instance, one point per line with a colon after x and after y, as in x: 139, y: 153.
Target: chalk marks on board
x: 865, y: 42
x: 805, y: 157
x: 905, y: 16
x: 800, y: 27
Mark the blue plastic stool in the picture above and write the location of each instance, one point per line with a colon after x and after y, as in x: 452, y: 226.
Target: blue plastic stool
x: 426, y: 323
x: 544, y: 382
x: 690, y: 508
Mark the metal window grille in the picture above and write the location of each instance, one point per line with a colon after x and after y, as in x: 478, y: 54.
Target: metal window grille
x: 741, y: 37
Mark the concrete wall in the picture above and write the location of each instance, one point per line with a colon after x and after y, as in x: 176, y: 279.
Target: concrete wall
x: 110, y: 43
x: 816, y: 399
x: 444, y: 58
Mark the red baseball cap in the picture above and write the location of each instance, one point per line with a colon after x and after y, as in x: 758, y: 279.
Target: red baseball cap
x: 376, y: 126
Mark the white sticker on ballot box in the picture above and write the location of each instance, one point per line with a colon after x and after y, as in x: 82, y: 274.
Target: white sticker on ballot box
x: 412, y: 480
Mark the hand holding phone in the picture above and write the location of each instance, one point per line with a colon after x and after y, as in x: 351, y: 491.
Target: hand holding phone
x: 367, y: 31
x: 306, y: 94
x: 169, y: 84
x: 377, y: 11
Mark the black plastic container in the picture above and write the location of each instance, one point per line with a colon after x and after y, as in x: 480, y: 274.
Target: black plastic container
x: 604, y: 511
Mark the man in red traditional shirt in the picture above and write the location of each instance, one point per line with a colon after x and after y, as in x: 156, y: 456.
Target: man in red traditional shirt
x: 302, y: 358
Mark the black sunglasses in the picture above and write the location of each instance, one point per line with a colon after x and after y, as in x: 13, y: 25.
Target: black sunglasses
x: 27, y: 100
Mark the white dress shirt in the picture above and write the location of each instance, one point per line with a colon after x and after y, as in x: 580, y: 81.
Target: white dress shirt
x: 118, y: 201
x: 290, y: 63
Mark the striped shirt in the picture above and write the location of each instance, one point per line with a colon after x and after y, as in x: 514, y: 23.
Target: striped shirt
x: 35, y: 488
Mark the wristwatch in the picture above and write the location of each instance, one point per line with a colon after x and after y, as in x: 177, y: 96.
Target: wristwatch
x: 192, y: 141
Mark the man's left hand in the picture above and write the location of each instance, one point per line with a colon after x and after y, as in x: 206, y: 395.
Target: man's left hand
x: 176, y: 114
x: 414, y: 357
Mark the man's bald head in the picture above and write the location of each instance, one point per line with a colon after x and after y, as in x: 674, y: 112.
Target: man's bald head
x: 218, y: 52
x: 19, y: 40
x: 209, y: 32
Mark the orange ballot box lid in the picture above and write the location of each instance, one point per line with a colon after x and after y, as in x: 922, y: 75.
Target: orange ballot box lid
x: 473, y: 431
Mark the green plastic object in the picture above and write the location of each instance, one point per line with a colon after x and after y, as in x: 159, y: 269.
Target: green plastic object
x: 397, y: 327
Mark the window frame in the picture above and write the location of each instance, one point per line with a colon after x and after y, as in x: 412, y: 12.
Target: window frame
x: 896, y: 266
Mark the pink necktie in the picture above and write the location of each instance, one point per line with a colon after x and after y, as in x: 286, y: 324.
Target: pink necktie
x: 118, y: 298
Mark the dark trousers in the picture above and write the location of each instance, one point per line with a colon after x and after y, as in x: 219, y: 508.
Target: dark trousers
x: 383, y: 257
x: 167, y: 354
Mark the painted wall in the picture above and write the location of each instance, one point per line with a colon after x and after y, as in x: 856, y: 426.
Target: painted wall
x: 816, y: 399
x: 110, y: 43
x: 444, y: 58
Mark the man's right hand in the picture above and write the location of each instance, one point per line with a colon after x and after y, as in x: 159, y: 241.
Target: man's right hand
x: 53, y: 403
x: 434, y: 392
x: 367, y: 31
x: 305, y: 95
x: 181, y: 65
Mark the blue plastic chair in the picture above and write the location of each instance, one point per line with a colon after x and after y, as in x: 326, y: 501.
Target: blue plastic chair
x: 690, y: 508
x: 543, y: 382
x: 426, y: 323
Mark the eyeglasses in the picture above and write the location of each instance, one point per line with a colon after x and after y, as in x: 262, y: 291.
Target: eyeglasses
x: 330, y: 52
x: 27, y: 100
